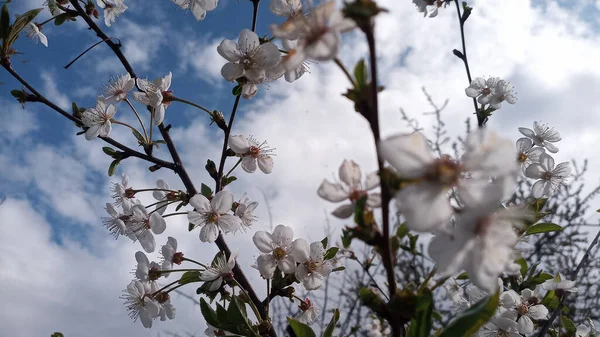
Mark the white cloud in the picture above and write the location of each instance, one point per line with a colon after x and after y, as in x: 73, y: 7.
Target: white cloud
x: 200, y: 55
x: 53, y: 92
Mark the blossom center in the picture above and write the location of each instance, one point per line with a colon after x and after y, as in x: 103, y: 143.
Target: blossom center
x: 153, y: 274
x: 177, y: 258
x: 356, y: 195
x: 547, y: 176
x: 522, y: 157
x: 486, y: 91
x: 279, y: 253
x: 482, y: 226
x: 254, y: 151
x: 444, y: 171
x: 212, y: 218
x: 312, y: 266
x: 522, y: 309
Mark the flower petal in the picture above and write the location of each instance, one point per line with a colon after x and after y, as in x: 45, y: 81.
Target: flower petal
x: 266, y: 265
x: 263, y: 241
x: 209, y: 233
x: 249, y: 164
x: 157, y: 223
x: 416, y: 201
x: 229, y: 50
x: 301, y: 250
x: 200, y: 203
x: 282, y: 235
x: 350, y: 173
x: 332, y: 192
x: 265, y: 164
x: 248, y: 41
x: 408, y: 154
x: 344, y: 211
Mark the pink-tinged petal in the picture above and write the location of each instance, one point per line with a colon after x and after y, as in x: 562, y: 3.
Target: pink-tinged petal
x: 287, y: 265
x: 551, y: 147
x: 325, y: 48
x: 263, y: 241
x: 301, y: 250
x: 249, y: 164
x: 221, y: 202
x: 157, y: 223
x: 229, y: 50
x: 282, y: 235
x: 93, y: 132
x: 540, y: 189
x: 231, y: 71
x: 344, y: 211
x: 209, y: 233
x: 239, y: 144
x: 216, y: 284
x: 408, y: 154
x: 332, y: 192
x: 265, y: 164
x: 266, y: 265
x: 535, y: 171
x: 374, y: 200
x: 196, y: 218
x: 229, y: 223
x: 524, y: 145
x: 425, y: 206
x: 538, y: 312
x: 562, y: 170
x: 317, y: 251
x: 313, y: 281
x: 248, y: 41
x: 372, y: 181
x: 146, y: 239
x: 350, y: 173
x: 527, y: 132
x: 200, y: 203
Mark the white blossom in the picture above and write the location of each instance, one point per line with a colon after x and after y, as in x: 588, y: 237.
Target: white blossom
x: 491, y: 91
x: 245, y: 210
x: 97, y: 119
x: 248, y: 58
x: 550, y: 177
x: 112, y: 10
x: 504, y: 91
x: 146, y: 271
x: 317, y: 34
x: 308, y: 312
x: 564, y: 285
x: 290, y: 74
x: 277, y: 251
x: 286, y: 8
x: 170, y: 255
x: 312, y: 268
x: 142, y: 224
x: 114, y: 223
x: 166, y: 310
x: 527, y: 306
x: 350, y: 188
x: 117, y: 88
x: 527, y: 154
x: 32, y: 30
x: 155, y: 94
x: 252, y: 152
x: 504, y: 324
x: 162, y: 195
x: 220, y: 270
x: 542, y: 135
x: 139, y: 303
x: 123, y: 194
x: 197, y: 7
x: 212, y: 215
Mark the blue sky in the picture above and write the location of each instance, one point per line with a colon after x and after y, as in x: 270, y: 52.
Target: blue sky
x: 60, y: 265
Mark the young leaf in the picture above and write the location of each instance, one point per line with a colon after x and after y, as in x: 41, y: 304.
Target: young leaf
x: 205, y: 190
x: 191, y: 226
x: 568, y: 324
x: 331, y: 253
x: 300, y: 329
x: 228, y: 180
x: 402, y: 230
x: 19, y: 24
x: 113, y: 167
x: 138, y: 136
x: 237, y: 90
x: 469, y: 322
x: 324, y: 242
x: 189, y: 277
x: 108, y: 150
x: 329, y: 329
x: 360, y: 73
x: 543, y: 228
x: 4, y: 21
x: 420, y: 325
x: 209, y: 314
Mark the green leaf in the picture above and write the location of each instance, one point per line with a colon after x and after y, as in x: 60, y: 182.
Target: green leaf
x: 237, y: 90
x: 191, y: 227
x: 189, y: 277
x: 221, y: 313
x: 211, y: 168
x: 113, y: 167
x: 138, y: 136
x: 205, y: 190
x: 339, y: 269
x: 544, y: 227
x: 469, y: 322
x: 360, y: 73
x: 462, y: 276
x: 330, y: 254
x: 521, y: 262
x: 228, y: 180
x: 108, y: 150
x: 20, y: 23
x: 4, y: 21
x: 236, y: 315
x: 209, y: 314
x: 329, y: 329
x: 60, y: 19
x: 74, y: 108
x: 300, y: 329
x: 324, y: 242
x: 57, y: 334
x: 402, y: 231
x: 568, y: 324
x: 346, y: 238
x: 420, y: 326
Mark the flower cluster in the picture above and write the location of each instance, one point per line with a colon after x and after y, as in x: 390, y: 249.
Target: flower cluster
x: 197, y: 7
x: 252, y: 152
x: 492, y: 91
x: 539, y: 165
x: 306, y: 262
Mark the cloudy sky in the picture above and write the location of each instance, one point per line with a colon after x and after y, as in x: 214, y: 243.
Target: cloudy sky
x: 61, y: 271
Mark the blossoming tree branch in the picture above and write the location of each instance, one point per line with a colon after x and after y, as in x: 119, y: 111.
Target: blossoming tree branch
x: 464, y: 201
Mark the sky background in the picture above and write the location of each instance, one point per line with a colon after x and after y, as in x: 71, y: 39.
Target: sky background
x: 59, y: 268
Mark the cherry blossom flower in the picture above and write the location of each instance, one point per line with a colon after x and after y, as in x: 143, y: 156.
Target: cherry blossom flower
x: 146, y: 271
x: 155, y: 94
x: 97, y: 119
x: 248, y: 58
x: 482, y: 242
x: 492, y: 91
x: 244, y: 211
x: 212, y: 215
x: 112, y: 10
x: 350, y: 188
x: 504, y: 324
x: 487, y: 155
x: 170, y: 255
x: 277, y: 251
x: 251, y: 152
x: 286, y: 8
x: 123, y: 194
x: 527, y: 154
x: 504, y: 91
x: 564, y: 285
x: 115, y: 223
x: 527, y: 306
x: 308, y: 312
x: 197, y: 7
x: 317, y: 34
x: 219, y: 271
x: 143, y: 225
x: 428, y: 7
x: 550, y: 177
x: 33, y: 31
x: 139, y: 303
x: 291, y: 74
x: 117, y: 88
x: 312, y: 268
x: 162, y: 195
x: 542, y: 135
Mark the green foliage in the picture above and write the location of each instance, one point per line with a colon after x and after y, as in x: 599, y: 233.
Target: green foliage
x: 57, y: 334
x: 420, y: 325
x: 233, y: 319
x: 469, y: 322
x: 20, y: 23
x: 300, y: 329
x: 330, y: 254
x: 237, y: 90
x: 206, y: 191
x: 324, y: 242
x: 4, y: 22
x: 331, y: 326
x: 568, y: 325
x: 113, y: 167
x: 189, y: 277
x: 543, y: 227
